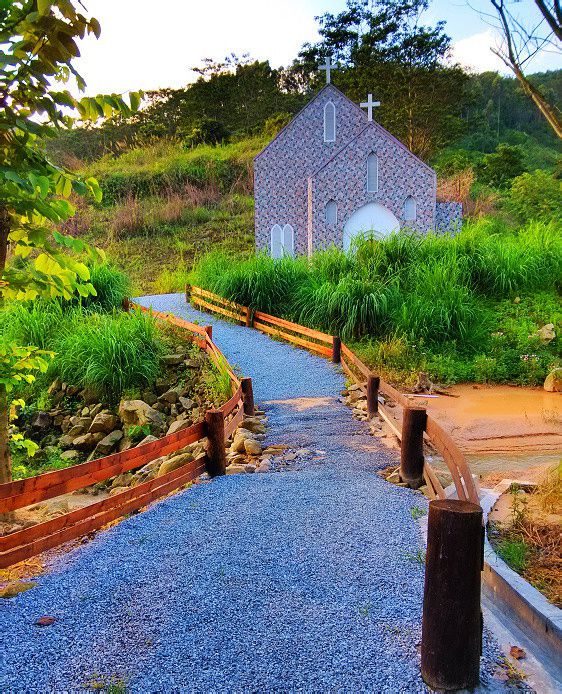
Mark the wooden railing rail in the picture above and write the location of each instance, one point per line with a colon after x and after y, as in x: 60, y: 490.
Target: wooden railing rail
x: 26, y: 543
x: 360, y: 374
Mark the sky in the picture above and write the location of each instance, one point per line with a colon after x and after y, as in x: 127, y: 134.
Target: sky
x: 149, y: 45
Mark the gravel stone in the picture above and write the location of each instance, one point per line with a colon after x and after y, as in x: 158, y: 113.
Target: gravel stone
x: 301, y: 581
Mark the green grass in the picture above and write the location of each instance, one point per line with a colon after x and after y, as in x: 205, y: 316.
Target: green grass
x: 108, y: 353
x: 514, y: 553
x: 462, y: 308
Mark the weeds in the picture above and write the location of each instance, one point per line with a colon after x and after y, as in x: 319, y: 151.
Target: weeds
x: 416, y: 512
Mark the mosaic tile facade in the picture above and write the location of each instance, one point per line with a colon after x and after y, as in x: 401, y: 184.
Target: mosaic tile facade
x: 298, y: 173
x: 448, y: 217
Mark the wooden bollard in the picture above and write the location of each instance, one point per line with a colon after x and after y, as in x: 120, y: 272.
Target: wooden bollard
x: 209, y: 330
x: 452, y: 620
x: 216, y: 453
x: 336, y: 349
x: 411, y: 449
x: 126, y: 305
x: 373, y: 383
x: 187, y: 293
x: 247, y: 396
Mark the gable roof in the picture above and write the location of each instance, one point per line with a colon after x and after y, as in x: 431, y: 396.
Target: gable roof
x: 346, y: 144
x: 297, y: 115
x: 376, y: 126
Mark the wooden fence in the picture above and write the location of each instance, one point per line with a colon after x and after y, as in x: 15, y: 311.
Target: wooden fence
x: 359, y: 373
x: 26, y: 543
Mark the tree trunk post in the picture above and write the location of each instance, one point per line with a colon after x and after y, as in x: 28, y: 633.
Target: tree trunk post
x: 209, y: 330
x: 248, y: 397
x: 5, y: 457
x: 187, y: 293
x: 452, y: 620
x: 373, y: 383
x: 411, y: 449
x: 249, y: 317
x: 216, y: 453
x: 336, y: 349
x: 126, y: 305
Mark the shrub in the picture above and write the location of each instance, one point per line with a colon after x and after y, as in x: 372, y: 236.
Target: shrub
x: 536, y: 196
x: 108, y: 353
x: 501, y: 167
x: 32, y: 323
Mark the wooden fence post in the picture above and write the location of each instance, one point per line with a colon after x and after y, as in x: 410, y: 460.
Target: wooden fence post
x: 247, y: 396
x: 249, y: 317
x: 336, y: 349
x: 411, y: 449
x: 373, y: 383
x: 209, y: 330
x: 216, y: 453
x: 452, y: 620
x: 187, y: 293
x: 126, y: 305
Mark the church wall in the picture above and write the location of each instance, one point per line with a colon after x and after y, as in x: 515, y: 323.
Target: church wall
x: 282, y: 169
x: 344, y: 180
x: 448, y: 217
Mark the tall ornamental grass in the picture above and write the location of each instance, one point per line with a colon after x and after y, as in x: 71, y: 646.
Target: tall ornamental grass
x: 108, y: 353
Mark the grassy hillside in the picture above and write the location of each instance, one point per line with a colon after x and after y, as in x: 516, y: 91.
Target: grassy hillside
x: 164, y: 206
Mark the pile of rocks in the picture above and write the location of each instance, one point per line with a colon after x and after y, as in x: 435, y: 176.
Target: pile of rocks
x: 246, y: 452
x: 356, y: 398
x: 87, y: 429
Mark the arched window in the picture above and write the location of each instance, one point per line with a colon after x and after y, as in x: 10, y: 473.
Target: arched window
x: 288, y: 240
x: 410, y: 211
x: 329, y: 122
x: 276, y: 241
x: 331, y: 213
x: 372, y: 173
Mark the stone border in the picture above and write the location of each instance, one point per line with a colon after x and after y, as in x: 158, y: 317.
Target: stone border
x: 522, y: 600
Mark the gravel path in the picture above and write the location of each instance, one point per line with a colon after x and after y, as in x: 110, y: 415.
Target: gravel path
x: 303, y: 581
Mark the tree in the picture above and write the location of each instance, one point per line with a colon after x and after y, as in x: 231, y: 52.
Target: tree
x: 501, y: 167
x: 383, y: 48
x: 38, y: 44
x: 522, y: 42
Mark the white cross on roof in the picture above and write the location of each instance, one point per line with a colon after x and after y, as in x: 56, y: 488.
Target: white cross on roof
x: 327, y: 65
x: 369, y: 105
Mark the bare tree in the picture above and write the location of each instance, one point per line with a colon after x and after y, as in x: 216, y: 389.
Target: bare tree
x: 520, y: 43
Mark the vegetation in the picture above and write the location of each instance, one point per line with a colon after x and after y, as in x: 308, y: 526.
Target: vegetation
x: 38, y: 45
x: 467, y: 307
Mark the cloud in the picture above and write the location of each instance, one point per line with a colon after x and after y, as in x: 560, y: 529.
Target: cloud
x: 474, y: 52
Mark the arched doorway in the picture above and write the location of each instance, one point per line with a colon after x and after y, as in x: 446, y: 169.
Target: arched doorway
x: 371, y: 219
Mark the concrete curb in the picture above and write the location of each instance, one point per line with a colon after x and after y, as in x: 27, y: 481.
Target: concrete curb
x: 527, y: 606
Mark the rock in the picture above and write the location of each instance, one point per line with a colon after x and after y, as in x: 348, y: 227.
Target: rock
x: 163, y: 384
x: 150, y: 398
x: 254, y: 425
x: 178, y: 424
x: 85, y: 412
x: 103, y: 422
x: 553, y: 382
x: 187, y: 403
x: 75, y: 431
x: 86, y: 422
x: 174, y: 462
x: 66, y: 441
x: 89, y: 396
x: 150, y: 467
x: 41, y: 420
x: 235, y: 469
x: 95, y: 410
x: 87, y: 442
x: 147, y: 439
x: 123, y: 480
x: 55, y: 386
x: 170, y: 396
x: 117, y: 490
x: 264, y: 466
x: 517, y: 300
x: 108, y: 443
x: 172, y: 359
x: 252, y: 447
x: 355, y: 396
x: 250, y: 468
x: 65, y: 426
x: 238, y: 443
x: 139, y: 413
x: 69, y: 455
x: 71, y: 391
x: 546, y: 333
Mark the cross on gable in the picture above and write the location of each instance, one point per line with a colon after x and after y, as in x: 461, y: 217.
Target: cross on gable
x: 369, y: 105
x: 327, y: 65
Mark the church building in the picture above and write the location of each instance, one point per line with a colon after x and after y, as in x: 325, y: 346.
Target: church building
x: 333, y: 173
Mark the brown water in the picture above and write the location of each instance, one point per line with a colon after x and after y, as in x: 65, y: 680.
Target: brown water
x: 503, y: 429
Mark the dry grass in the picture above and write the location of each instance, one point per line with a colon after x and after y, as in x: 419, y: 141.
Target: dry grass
x: 457, y: 188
